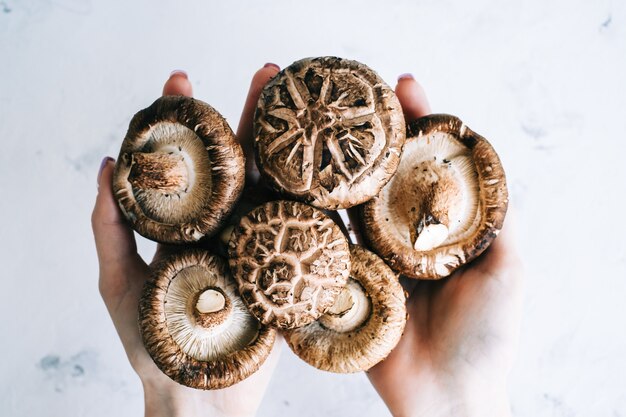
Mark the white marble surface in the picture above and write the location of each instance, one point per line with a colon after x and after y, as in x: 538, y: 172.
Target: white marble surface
x: 543, y: 80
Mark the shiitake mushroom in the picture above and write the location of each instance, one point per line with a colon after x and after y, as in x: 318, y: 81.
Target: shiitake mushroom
x: 444, y: 206
x: 180, y: 171
x: 195, y: 326
x: 328, y: 132
x: 363, y: 325
x: 290, y: 261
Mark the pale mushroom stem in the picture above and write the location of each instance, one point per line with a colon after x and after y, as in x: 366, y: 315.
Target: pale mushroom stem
x: 350, y: 310
x: 211, y: 308
x: 429, y: 233
x: 431, y: 229
x: 166, y: 172
x: 210, y: 301
x: 343, y: 303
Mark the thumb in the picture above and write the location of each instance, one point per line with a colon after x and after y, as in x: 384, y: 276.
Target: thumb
x: 245, y: 132
x: 115, y: 242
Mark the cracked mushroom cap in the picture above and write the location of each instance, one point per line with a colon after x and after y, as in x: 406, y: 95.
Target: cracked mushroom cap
x: 195, y: 326
x: 329, y: 132
x: 445, y: 204
x: 290, y: 260
x: 364, y: 324
x: 180, y: 170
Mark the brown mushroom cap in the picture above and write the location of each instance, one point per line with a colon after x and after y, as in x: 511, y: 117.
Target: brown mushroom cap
x: 291, y: 262
x: 445, y: 204
x: 195, y: 326
x: 363, y: 326
x: 329, y: 132
x: 180, y: 170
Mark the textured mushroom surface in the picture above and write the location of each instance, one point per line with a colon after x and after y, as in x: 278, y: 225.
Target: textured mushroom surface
x: 195, y: 326
x: 291, y: 262
x: 445, y: 204
x: 180, y: 170
x: 362, y: 327
x: 329, y: 132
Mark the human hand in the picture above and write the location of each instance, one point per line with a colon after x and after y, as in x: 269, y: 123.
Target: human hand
x: 462, y: 333
x: 123, y: 274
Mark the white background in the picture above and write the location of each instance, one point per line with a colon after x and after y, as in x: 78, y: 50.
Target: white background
x: 543, y: 80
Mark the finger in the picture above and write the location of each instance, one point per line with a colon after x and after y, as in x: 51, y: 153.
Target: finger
x: 244, y: 131
x: 412, y: 98
x: 115, y: 242
x: 503, y: 253
x: 178, y: 85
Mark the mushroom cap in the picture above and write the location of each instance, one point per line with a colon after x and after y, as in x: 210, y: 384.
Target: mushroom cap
x: 193, y: 339
x: 445, y: 204
x: 353, y: 342
x: 290, y: 261
x: 180, y: 170
x: 329, y: 132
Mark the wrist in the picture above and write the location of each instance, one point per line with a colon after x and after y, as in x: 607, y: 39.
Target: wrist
x: 165, y: 400
x: 453, y: 399
x: 494, y: 404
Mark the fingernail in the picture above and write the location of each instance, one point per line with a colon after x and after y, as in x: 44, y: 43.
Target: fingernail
x: 104, y: 162
x: 271, y: 65
x: 406, y: 76
x: 179, y: 72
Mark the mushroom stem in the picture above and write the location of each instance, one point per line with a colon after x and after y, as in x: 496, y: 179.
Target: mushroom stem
x: 351, y: 309
x: 210, y: 301
x: 166, y: 172
x: 431, y: 229
x: 429, y: 233
x: 343, y: 303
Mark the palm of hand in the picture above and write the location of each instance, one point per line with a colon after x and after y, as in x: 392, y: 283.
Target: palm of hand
x: 461, y: 335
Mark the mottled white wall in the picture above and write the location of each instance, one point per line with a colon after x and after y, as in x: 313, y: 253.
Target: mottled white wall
x: 543, y: 80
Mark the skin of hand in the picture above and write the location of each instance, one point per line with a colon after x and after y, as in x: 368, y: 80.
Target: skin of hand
x: 461, y: 336
x: 123, y: 274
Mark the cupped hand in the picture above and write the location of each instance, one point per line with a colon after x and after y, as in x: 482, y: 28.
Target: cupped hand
x: 123, y: 273
x: 461, y: 336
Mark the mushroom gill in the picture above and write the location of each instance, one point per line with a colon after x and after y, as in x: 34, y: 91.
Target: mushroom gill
x: 180, y: 171
x: 433, y: 200
x: 171, y: 174
x: 445, y: 204
x: 350, y: 310
x: 362, y: 327
x: 195, y: 326
x: 202, y: 330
